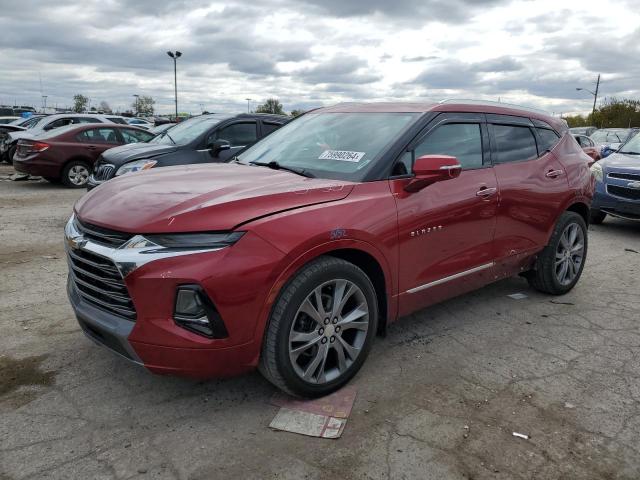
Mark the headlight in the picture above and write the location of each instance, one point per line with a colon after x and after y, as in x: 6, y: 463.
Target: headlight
x: 596, y: 170
x: 135, y: 166
x: 194, y: 240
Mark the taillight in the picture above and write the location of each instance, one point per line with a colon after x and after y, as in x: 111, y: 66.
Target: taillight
x: 28, y: 148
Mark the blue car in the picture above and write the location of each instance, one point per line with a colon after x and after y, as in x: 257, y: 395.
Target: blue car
x: 618, y: 184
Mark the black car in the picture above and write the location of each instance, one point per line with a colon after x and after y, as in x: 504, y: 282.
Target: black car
x: 203, y: 139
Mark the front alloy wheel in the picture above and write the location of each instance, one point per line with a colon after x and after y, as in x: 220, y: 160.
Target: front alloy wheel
x: 321, y: 328
x: 569, y: 254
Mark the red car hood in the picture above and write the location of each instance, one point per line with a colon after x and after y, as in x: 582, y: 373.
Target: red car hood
x: 201, y: 197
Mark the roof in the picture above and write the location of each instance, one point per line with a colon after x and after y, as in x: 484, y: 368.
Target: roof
x: 449, y: 105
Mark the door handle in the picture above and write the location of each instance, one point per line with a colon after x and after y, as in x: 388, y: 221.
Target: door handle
x: 91, y: 147
x: 485, y: 192
x: 554, y: 173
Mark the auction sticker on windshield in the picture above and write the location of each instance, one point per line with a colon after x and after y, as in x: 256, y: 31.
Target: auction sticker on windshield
x: 342, y: 155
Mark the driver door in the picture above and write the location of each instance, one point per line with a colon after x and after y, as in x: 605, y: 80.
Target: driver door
x: 446, y: 230
x: 239, y: 135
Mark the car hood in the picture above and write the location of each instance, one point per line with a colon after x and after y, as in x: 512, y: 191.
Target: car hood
x: 211, y: 197
x: 135, y: 151
x: 21, y: 134
x: 621, y: 161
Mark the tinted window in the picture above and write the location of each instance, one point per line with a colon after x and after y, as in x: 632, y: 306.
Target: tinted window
x: 460, y: 140
x: 121, y: 121
x: 548, y: 139
x: 238, y: 134
x: 99, y: 135
x: 134, y: 136
x: 187, y: 131
x: 267, y: 128
x: 514, y: 144
x: 61, y: 122
x: 86, y: 120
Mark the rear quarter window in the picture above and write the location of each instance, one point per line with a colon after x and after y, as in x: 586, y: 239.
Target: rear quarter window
x: 267, y: 128
x: 548, y: 139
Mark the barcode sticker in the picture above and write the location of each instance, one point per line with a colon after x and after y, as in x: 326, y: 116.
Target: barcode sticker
x: 342, y: 155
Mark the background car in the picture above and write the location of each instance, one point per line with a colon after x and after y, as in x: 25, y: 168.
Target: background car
x: 583, y: 130
x: 140, y: 122
x: 5, y: 120
x: 43, y: 124
x: 588, y: 146
x: 610, y: 139
x: 618, y: 184
x: 202, y: 139
x: 67, y: 154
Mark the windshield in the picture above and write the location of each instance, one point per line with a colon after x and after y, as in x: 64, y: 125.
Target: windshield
x: 187, y: 131
x: 608, y: 136
x: 331, y: 145
x: 632, y: 146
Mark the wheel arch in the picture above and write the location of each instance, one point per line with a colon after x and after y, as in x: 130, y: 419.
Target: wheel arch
x: 581, y: 208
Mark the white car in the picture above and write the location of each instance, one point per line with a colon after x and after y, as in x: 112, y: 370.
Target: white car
x: 140, y: 122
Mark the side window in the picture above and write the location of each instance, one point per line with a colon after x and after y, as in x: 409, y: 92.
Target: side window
x: 460, y: 140
x: 134, y: 136
x: 267, y: 128
x: 99, y: 135
x: 548, y: 139
x: 61, y: 122
x: 404, y: 165
x: 119, y: 120
x: 237, y: 134
x: 514, y: 143
x: 86, y: 120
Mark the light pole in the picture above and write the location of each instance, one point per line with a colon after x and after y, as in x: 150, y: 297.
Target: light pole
x: 137, y: 97
x: 175, y: 55
x: 248, y: 104
x: 44, y: 101
x: 595, y: 94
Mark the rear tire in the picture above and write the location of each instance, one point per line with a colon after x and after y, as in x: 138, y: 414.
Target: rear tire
x: 321, y: 328
x: 559, y: 266
x: 9, y: 154
x: 597, y: 217
x: 75, y: 174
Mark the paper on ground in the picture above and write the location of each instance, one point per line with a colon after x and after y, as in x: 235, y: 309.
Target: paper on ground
x: 309, y: 424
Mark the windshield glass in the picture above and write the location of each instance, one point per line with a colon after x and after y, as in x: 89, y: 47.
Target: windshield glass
x: 632, y: 146
x: 331, y: 145
x: 608, y: 136
x: 187, y: 131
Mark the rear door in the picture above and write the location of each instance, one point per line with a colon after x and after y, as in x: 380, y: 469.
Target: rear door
x: 95, y: 141
x: 533, y: 186
x: 446, y: 230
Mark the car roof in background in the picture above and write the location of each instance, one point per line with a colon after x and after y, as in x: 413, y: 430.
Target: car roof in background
x: 80, y: 127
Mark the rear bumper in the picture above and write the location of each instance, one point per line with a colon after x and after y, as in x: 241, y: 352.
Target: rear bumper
x: 36, y: 168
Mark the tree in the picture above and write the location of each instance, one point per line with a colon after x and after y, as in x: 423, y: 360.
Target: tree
x: 143, y: 105
x: 271, y: 105
x: 104, y: 107
x: 613, y: 113
x: 296, y: 113
x: 80, y: 103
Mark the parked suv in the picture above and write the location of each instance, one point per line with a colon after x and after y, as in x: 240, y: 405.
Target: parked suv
x: 202, y: 139
x: 291, y: 257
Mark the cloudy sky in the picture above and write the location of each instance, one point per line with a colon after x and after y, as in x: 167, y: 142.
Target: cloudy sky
x: 317, y: 52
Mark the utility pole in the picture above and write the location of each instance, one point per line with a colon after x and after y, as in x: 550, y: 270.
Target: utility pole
x: 137, y: 97
x: 595, y: 96
x: 248, y: 104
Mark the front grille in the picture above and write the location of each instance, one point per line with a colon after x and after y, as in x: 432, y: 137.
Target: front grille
x: 625, y: 176
x: 104, y: 171
x: 99, y: 282
x: 100, y: 235
x: 624, y: 192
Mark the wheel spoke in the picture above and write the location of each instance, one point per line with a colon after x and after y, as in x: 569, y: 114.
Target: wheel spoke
x: 564, y: 240
x: 313, y: 365
x: 340, y: 297
x: 563, y: 271
x: 308, y: 308
x: 295, y: 352
x: 318, y: 296
x: 342, y: 362
x: 350, y: 320
x: 577, y: 248
x: 351, y: 350
x: 573, y: 234
x: 303, y: 336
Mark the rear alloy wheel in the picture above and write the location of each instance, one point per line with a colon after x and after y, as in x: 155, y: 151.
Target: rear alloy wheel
x: 597, y: 217
x: 76, y: 174
x: 321, y: 328
x: 560, y: 264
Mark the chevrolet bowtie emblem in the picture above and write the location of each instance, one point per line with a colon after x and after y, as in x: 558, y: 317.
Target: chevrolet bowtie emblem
x: 76, y: 243
x: 633, y: 185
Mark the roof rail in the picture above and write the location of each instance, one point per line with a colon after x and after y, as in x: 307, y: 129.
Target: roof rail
x: 494, y: 104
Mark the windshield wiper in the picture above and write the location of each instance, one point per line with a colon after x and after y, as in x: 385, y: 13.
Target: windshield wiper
x: 276, y: 166
x: 167, y: 134
x: 629, y: 153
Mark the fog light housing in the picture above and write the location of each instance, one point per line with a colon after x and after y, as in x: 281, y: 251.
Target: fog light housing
x: 195, y: 311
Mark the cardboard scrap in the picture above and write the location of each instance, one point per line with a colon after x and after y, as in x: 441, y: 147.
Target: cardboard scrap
x: 323, y: 417
x: 517, y: 296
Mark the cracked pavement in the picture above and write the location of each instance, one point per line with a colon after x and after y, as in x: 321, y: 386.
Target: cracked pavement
x: 438, y: 398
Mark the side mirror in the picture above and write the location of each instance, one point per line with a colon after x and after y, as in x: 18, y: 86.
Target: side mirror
x: 430, y: 169
x: 217, y: 146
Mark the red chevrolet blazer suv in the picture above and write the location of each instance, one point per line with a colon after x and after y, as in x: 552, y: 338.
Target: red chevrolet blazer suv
x: 292, y: 256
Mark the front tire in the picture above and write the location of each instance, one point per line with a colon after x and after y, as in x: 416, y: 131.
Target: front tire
x: 559, y: 266
x: 75, y: 174
x: 321, y: 328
